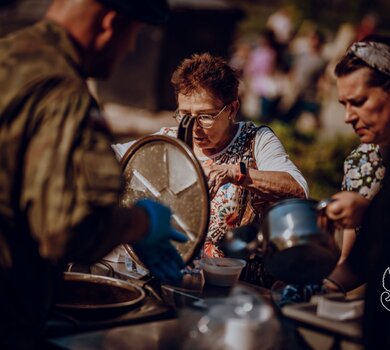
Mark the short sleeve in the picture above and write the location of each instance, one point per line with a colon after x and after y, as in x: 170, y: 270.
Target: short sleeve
x: 270, y: 155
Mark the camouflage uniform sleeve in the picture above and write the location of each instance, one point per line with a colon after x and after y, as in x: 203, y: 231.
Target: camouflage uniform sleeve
x: 70, y: 173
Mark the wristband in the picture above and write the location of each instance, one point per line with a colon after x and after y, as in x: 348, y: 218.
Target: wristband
x: 242, y: 174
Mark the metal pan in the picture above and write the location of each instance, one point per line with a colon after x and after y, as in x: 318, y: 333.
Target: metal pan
x: 96, y: 296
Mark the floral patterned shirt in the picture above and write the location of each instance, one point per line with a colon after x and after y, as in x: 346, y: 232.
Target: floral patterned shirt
x: 364, y: 171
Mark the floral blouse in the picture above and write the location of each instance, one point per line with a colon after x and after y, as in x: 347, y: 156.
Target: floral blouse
x: 226, y: 206
x: 364, y: 171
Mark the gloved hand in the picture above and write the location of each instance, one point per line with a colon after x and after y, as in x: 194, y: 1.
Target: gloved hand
x: 293, y: 293
x: 155, y: 250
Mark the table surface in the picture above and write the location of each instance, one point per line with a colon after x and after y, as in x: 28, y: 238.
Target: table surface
x: 173, y: 333
x: 163, y: 334
x: 305, y: 315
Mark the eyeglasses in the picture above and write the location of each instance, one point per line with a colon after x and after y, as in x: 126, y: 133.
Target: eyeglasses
x: 205, y: 121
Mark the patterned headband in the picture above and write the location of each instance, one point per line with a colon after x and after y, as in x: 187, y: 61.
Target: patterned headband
x: 374, y: 54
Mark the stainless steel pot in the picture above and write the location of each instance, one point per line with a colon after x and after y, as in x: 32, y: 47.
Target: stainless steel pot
x: 298, y: 241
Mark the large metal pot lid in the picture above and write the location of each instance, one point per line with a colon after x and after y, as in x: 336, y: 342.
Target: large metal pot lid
x: 165, y: 169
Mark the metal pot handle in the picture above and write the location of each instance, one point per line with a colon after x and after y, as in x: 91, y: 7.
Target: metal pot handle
x: 323, y: 204
x: 323, y: 221
x: 69, y: 267
x: 109, y: 268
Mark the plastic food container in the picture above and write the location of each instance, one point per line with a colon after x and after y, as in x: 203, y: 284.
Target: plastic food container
x: 223, y: 272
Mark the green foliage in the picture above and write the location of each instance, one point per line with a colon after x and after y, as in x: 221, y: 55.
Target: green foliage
x: 320, y: 160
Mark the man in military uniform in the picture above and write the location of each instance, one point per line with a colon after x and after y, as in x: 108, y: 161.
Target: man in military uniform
x: 59, y: 180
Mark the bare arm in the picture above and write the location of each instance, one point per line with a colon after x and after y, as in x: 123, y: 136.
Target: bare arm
x: 278, y: 177
x: 343, y: 276
x: 272, y: 185
x: 349, y: 236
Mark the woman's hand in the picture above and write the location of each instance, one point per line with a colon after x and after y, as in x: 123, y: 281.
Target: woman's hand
x: 347, y: 209
x: 218, y: 175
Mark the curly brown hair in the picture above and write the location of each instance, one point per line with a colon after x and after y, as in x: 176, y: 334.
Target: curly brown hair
x: 204, y: 71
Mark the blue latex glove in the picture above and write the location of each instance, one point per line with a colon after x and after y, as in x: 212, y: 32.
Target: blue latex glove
x: 155, y: 250
x: 293, y: 294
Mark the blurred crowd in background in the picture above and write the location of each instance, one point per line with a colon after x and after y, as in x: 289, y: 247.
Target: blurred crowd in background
x: 287, y: 70
x: 287, y: 81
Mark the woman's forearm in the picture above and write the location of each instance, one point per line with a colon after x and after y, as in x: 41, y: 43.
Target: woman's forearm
x: 272, y: 185
x: 344, y: 276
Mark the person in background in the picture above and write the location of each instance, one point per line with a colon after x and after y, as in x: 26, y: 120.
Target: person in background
x: 246, y: 166
x: 60, y: 182
x: 261, y: 73
x: 302, y: 91
x: 368, y: 26
x: 363, y: 82
x: 239, y: 56
x: 281, y: 23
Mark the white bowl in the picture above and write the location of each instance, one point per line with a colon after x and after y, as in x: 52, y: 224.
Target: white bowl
x: 223, y: 272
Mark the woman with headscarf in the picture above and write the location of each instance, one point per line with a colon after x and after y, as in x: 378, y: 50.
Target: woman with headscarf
x: 363, y: 81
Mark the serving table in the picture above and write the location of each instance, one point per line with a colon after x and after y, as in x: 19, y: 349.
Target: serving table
x: 170, y: 331
x: 152, y: 325
x: 163, y: 320
x: 347, y: 331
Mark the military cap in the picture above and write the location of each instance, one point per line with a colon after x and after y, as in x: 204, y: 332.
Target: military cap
x: 148, y: 11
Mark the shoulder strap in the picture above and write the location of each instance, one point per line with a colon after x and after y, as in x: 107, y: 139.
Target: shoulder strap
x: 184, y: 131
x: 252, y: 211
x: 250, y: 143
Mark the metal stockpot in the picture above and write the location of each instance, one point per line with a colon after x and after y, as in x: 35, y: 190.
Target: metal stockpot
x: 298, y: 241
